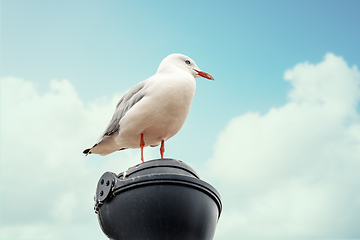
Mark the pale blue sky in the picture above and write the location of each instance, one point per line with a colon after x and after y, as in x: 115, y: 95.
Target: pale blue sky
x: 108, y: 46
x: 105, y: 47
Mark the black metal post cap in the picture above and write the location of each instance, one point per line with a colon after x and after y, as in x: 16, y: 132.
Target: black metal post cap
x: 157, y: 200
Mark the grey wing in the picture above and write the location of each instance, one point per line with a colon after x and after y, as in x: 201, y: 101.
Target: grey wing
x: 130, y: 98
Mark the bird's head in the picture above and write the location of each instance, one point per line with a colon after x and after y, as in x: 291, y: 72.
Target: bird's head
x: 185, y: 63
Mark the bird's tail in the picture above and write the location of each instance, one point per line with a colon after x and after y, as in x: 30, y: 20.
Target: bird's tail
x: 104, y: 147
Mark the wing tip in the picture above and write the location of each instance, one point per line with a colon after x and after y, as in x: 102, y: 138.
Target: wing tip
x: 87, y: 151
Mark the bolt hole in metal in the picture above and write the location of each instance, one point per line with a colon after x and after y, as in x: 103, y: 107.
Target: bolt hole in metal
x: 102, y: 181
x: 107, y: 183
x: 101, y: 193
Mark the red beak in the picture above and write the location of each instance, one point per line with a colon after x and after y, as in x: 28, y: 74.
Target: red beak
x: 204, y: 74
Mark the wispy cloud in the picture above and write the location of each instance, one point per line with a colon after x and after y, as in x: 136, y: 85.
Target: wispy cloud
x: 293, y: 172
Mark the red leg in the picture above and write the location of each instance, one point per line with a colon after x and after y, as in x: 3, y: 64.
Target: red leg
x: 162, y: 149
x: 142, y: 144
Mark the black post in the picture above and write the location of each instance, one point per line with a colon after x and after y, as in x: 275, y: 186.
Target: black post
x: 157, y: 200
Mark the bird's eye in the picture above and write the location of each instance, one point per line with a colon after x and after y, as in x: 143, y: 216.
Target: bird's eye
x: 187, y: 62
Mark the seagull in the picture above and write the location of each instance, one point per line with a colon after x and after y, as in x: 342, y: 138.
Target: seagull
x: 153, y: 110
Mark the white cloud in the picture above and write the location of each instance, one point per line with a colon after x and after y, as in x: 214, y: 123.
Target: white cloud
x: 47, y: 185
x: 294, y: 172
